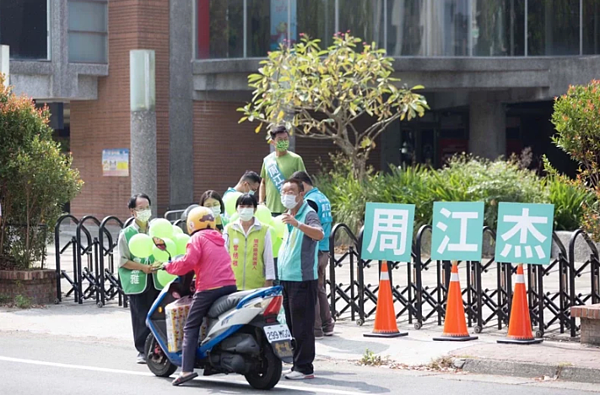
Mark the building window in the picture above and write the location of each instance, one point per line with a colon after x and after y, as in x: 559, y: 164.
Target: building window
x: 450, y: 28
x: 360, y: 17
x: 553, y: 28
x: 24, y: 27
x: 591, y: 27
x: 498, y: 28
x: 88, y: 31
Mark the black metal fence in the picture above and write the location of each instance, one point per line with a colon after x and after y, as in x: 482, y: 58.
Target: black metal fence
x: 419, y: 287
x: 91, y: 253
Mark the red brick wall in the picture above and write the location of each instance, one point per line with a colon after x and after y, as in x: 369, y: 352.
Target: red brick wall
x: 223, y: 149
x: 105, y: 123
x: 38, y: 286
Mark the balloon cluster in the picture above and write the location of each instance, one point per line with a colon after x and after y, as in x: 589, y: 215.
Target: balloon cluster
x: 142, y: 246
x: 276, y: 227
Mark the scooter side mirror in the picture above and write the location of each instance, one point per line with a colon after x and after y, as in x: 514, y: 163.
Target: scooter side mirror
x: 159, y: 243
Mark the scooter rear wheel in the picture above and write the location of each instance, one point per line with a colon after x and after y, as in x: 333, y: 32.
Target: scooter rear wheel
x: 270, y: 372
x: 157, y: 361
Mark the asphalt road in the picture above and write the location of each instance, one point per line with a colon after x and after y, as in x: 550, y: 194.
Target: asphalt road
x: 47, y: 365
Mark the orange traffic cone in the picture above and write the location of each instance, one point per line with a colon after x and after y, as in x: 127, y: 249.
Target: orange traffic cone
x: 455, y: 324
x: 385, y: 315
x: 519, y: 327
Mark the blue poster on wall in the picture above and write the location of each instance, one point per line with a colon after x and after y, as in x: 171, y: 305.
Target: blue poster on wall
x: 280, y: 10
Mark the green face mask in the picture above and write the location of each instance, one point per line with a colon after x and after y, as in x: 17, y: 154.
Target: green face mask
x: 282, y: 145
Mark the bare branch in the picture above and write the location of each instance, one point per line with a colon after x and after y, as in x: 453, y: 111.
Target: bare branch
x: 378, y: 124
x: 316, y: 136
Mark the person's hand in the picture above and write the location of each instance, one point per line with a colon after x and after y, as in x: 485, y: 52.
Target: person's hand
x: 150, y: 269
x: 268, y: 283
x: 288, y: 219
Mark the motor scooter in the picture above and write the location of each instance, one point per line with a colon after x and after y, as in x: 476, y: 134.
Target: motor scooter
x: 242, y: 334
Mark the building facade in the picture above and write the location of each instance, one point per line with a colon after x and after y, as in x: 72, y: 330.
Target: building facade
x: 491, y: 69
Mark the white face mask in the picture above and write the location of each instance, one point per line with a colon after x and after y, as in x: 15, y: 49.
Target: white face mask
x: 288, y: 201
x: 144, y: 215
x: 216, y: 211
x: 246, y: 214
x: 251, y: 192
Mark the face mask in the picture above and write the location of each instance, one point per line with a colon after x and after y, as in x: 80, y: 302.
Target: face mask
x: 282, y: 145
x: 246, y: 214
x: 288, y: 201
x: 144, y: 215
x: 251, y: 192
x: 216, y: 211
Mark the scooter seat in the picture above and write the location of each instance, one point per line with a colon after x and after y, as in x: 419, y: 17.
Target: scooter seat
x: 227, y: 302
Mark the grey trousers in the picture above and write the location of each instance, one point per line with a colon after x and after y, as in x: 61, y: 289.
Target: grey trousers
x: 322, y: 311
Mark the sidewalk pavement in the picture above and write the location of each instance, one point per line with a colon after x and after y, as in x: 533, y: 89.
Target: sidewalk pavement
x: 566, y: 360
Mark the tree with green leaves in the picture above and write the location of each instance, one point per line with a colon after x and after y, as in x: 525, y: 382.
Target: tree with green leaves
x: 36, y: 180
x: 576, y: 118
x: 320, y: 93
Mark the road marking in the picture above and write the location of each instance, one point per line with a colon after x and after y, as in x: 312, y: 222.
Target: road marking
x: 78, y: 367
x: 136, y: 373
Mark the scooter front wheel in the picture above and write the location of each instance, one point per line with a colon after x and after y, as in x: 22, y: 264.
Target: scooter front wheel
x: 270, y: 371
x: 157, y: 361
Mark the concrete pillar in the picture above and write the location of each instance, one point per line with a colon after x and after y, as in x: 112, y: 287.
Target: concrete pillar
x: 5, y: 63
x: 143, y: 124
x: 181, y: 128
x: 487, y: 127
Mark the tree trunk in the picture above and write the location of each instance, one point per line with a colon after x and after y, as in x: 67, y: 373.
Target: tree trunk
x: 27, y: 242
x: 359, y: 166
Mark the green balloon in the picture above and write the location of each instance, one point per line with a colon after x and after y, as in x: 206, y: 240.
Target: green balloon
x: 234, y: 217
x: 177, y: 230
x: 263, y: 214
x: 163, y: 256
x: 181, y: 243
x: 164, y: 278
x: 229, y: 202
x: 141, y: 245
x: 279, y: 226
x: 161, y: 228
x: 276, y: 242
x: 160, y: 256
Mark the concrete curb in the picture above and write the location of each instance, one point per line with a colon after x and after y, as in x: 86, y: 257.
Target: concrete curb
x: 529, y: 370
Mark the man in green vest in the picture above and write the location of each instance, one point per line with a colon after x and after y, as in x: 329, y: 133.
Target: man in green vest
x: 138, y: 276
x: 277, y: 167
x: 298, y: 275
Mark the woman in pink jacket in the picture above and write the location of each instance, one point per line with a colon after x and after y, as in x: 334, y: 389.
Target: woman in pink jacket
x: 207, y: 256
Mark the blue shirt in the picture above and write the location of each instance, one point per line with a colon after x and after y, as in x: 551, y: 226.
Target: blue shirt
x: 324, y: 210
x: 298, y: 253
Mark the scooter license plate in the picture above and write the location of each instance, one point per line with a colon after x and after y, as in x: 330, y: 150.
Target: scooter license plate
x: 277, y: 333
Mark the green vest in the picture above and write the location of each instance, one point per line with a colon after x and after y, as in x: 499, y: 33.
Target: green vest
x: 134, y: 282
x: 247, y: 256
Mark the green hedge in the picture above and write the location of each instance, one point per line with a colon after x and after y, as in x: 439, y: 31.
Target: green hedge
x: 465, y: 178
